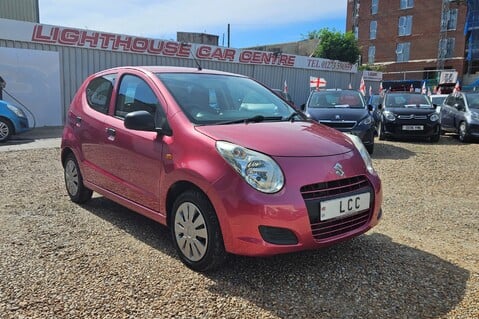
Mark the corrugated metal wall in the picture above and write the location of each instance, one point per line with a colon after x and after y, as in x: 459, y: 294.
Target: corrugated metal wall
x: 23, y: 10
x: 77, y: 63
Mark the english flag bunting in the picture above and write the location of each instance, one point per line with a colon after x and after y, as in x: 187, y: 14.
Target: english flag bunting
x: 317, y: 83
x: 457, y: 88
x: 362, y: 87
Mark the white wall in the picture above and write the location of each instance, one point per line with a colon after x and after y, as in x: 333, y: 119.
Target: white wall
x: 33, y: 78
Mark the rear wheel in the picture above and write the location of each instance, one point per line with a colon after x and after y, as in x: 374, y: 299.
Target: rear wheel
x: 74, y: 181
x: 463, y: 135
x: 196, y: 232
x: 6, y: 130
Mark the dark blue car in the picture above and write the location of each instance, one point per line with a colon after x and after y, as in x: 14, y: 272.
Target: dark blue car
x: 344, y: 110
x: 12, y: 121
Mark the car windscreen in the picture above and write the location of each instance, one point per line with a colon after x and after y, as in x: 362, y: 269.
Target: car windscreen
x: 473, y: 100
x: 221, y: 99
x: 405, y: 100
x: 336, y: 99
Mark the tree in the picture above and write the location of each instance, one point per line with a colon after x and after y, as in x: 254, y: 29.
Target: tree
x: 335, y: 45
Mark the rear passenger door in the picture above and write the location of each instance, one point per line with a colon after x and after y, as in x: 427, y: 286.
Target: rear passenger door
x: 135, y: 156
x: 447, y: 112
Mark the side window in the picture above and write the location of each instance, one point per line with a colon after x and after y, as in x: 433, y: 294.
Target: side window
x: 135, y: 95
x: 98, y: 92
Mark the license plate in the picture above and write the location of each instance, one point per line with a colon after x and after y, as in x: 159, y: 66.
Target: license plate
x: 344, y: 206
x: 412, y: 127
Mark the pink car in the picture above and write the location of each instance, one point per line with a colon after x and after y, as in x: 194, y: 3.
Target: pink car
x: 220, y: 159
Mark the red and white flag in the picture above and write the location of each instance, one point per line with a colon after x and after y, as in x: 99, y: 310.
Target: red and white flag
x: 411, y: 88
x: 424, y: 89
x: 381, y: 89
x: 370, y: 90
x: 285, y: 87
x: 362, y: 87
x: 317, y: 83
x: 457, y: 87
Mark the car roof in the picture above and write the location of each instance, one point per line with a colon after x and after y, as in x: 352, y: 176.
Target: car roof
x: 170, y: 69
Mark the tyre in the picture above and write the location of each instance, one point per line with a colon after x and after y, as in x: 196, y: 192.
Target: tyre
x: 6, y: 130
x: 435, y: 138
x: 370, y: 148
x: 462, y: 131
x: 74, y: 181
x: 196, y: 232
x: 381, y: 135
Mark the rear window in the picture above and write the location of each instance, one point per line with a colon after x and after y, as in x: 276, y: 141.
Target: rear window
x: 98, y: 92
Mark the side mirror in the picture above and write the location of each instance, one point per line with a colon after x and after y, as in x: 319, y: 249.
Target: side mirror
x: 370, y: 108
x: 380, y: 106
x: 144, y: 121
x: 302, y: 107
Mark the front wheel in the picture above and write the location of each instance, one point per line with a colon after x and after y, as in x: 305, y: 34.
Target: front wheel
x: 74, y: 181
x: 435, y: 138
x: 196, y: 232
x: 463, y: 135
x: 6, y: 130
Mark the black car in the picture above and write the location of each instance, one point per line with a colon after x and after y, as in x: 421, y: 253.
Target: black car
x: 460, y: 114
x: 408, y: 115
x: 344, y: 110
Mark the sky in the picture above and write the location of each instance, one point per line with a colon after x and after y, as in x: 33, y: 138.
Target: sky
x: 252, y: 22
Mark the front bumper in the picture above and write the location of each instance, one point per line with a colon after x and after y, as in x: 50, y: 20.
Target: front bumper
x: 398, y: 128
x: 245, y: 213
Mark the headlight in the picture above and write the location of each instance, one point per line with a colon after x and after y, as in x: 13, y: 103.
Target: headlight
x: 389, y: 116
x: 475, y: 116
x: 16, y: 110
x: 367, y: 121
x: 363, y: 151
x: 257, y: 169
x: 434, y: 117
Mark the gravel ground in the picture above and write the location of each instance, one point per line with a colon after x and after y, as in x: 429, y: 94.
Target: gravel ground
x: 62, y: 260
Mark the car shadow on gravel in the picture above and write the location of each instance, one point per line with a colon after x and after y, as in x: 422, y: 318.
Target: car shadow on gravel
x: 385, y: 150
x: 367, y: 277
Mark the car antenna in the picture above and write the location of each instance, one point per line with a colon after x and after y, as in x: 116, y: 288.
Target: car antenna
x: 198, y: 65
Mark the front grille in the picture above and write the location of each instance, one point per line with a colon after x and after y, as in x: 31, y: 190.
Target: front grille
x: 315, y: 193
x: 412, y: 117
x: 340, y: 125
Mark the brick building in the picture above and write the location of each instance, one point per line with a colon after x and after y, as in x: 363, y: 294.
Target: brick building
x: 417, y: 39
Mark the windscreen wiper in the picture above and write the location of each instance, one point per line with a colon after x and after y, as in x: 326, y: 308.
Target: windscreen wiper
x: 253, y: 119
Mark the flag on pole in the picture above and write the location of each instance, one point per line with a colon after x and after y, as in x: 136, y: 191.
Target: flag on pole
x: 424, y: 89
x: 411, y: 88
x: 381, y: 89
x: 350, y: 86
x: 362, y: 87
x: 457, y: 87
x: 317, y: 83
x: 370, y: 90
x: 285, y: 87
x: 438, y: 90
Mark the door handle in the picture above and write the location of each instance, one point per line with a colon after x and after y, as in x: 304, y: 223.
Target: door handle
x: 111, y: 133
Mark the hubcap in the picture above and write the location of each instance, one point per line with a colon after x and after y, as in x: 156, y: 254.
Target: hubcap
x: 4, y: 131
x: 71, y: 178
x: 190, y: 231
x: 462, y: 130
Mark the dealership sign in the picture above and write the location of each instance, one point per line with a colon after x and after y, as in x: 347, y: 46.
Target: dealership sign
x: 64, y: 36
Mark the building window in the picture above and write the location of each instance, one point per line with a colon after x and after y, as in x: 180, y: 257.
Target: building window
x: 372, y: 30
x: 406, y: 4
x: 374, y: 6
x: 449, y: 20
x: 446, y: 48
x: 405, y: 25
x: 371, y: 54
x: 402, y: 52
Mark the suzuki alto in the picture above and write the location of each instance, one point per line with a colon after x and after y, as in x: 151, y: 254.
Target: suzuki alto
x: 226, y: 164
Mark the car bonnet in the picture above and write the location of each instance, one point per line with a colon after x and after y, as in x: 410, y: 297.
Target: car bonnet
x: 282, y: 138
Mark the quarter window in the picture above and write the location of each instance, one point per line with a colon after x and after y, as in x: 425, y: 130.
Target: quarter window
x: 402, y: 52
x: 407, y: 4
x: 372, y: 29
x: 405, y: 25
x: 98, y: 92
